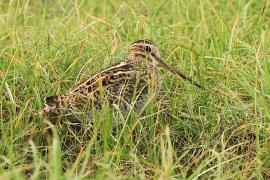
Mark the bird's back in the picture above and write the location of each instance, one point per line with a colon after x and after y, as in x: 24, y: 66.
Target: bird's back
x: 120, y: 84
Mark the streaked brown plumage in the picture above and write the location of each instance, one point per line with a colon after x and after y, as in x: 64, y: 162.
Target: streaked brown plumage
x: 132, y: 79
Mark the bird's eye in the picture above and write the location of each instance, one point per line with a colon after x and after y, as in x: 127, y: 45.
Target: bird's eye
x: 147, y: 49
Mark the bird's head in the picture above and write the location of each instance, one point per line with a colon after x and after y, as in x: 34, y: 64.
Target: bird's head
x: 145, y: 49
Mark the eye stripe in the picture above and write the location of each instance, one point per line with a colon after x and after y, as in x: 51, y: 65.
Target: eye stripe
x: 143, y: 48
x: 147, y: 49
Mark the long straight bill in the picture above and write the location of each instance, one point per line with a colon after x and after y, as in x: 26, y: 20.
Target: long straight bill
x: 175, y: 71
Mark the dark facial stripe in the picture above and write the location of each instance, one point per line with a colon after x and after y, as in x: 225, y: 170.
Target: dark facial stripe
x: 139, y: 54
x: 142, y: 48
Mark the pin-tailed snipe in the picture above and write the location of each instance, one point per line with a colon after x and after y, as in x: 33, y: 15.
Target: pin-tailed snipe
x: 133, y: 79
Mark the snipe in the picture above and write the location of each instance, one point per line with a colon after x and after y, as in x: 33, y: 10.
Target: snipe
x: 131, y: 80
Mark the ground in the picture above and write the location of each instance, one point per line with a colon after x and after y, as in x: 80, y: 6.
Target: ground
x: 218, y: 132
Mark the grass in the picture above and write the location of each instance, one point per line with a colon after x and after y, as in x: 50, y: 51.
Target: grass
x: 221, y: 132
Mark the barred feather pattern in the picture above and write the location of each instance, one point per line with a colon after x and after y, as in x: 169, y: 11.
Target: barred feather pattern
x: 133, y: 79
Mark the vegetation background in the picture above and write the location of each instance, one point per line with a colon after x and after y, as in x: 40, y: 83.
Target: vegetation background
x: 221, y: 132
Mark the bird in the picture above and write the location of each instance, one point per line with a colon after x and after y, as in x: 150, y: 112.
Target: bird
x: 133, y: 79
